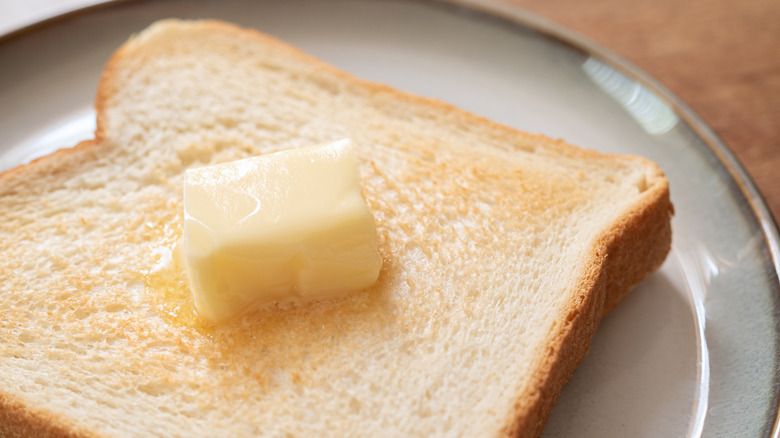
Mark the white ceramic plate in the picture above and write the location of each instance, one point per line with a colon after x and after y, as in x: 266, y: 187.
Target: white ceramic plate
x: 693, y: 351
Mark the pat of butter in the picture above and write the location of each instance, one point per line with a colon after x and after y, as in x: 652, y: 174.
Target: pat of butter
x: 286, y: 226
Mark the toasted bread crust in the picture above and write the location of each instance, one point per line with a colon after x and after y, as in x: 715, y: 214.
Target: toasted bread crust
x: 633, y: 247
x: 18, y: 419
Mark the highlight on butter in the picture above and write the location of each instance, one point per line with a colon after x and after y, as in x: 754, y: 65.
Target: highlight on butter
x: 286, y: 226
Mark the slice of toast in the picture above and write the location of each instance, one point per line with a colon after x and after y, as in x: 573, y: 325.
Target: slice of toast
x: 502, y: 251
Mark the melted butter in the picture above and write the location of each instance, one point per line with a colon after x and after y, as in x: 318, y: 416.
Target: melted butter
x: 166, y: 282
x: 290, y: 226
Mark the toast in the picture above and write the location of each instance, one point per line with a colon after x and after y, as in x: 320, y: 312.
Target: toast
x: 502, y: 251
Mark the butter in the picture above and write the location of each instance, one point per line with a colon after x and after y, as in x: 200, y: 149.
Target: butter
x: 286, y: 226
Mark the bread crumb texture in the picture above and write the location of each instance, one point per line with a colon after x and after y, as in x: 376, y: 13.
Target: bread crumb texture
x: 492, y: 242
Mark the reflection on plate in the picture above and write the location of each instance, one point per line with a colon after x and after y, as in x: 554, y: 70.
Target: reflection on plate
x: 692, y: 351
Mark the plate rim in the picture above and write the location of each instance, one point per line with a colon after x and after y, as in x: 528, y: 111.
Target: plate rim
x: 516, y: 15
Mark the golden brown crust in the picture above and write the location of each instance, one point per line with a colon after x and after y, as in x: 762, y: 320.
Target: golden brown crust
x: 632, y: 248
x: 18, y: 419
x: 107, y: 85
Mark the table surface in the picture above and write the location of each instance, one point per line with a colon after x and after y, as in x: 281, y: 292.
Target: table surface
x: 718, y: 56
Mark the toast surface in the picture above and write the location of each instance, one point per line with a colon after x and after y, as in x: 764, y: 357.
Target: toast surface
x: 502, y: 251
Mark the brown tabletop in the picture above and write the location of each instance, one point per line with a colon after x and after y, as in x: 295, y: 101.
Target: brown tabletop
x: 721, y: 57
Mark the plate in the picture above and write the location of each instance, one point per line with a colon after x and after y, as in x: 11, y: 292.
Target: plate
x: 692, y: 351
